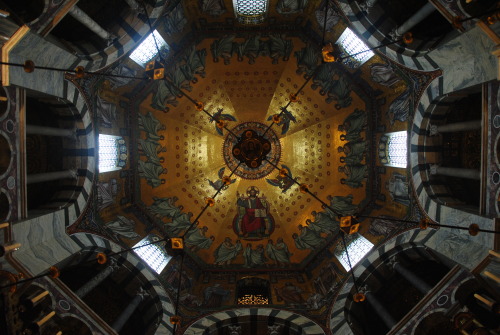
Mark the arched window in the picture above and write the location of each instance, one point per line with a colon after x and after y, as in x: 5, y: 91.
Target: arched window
x: 147, y: 50
x: 350, y: 44
x: 393, y: 149
x: 251, y: 11
x: 357, y: 248
x: 112, y: 153
x: 153, y: 255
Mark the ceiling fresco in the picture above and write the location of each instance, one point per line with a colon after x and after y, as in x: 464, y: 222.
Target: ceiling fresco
x: 261, y: 225
x: 259, y: 220
x: 178, y: 157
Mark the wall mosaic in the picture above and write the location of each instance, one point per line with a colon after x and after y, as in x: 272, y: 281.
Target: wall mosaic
x: 232, y: 96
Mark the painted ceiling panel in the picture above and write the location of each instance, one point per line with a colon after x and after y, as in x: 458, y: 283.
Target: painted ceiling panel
x: 250, y: 212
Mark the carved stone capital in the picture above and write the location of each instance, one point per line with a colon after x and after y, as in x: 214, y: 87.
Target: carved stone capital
x: 433, y: 169
x: 433, y: 130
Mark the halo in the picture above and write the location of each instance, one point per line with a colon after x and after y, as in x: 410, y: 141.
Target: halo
x: 256, y: 189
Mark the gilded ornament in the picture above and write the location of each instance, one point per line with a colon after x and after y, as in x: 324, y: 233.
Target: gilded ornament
x: 210, y: 202
x: 199, y: 106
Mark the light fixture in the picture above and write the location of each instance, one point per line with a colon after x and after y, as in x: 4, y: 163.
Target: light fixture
x: 349, y: 225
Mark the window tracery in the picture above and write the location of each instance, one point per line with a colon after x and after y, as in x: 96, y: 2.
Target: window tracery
x: 357, y: 248
x: 251, y: 11
x: 393, y: 149
x: 147, y: 50
x: 350, y: 44
x: 112, y: 153
x: 153, y: 255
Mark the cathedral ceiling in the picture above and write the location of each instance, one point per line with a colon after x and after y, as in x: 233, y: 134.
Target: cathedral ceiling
x: 246, y: 85
x: 260, y: 222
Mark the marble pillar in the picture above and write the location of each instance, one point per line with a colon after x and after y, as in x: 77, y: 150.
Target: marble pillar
x: 91, y: 284
x: 29, y: 303
x: 455, y: 127
x: 88, y: 22
x: 415, y: 19
x: 49, y: 131
x: 51, y: 176
x: 381, y: 311
x: 129, y: 310
x: 418, y: 283
x: 455, y: 172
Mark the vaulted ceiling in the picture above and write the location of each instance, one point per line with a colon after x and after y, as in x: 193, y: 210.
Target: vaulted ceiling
x: 249, y: 75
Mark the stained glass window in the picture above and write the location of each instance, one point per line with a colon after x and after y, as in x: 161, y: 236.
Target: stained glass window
x: 112, y: 153
x: 393, y: 149
x: 147, y: 50
x: 153, y: 254
x: 357, y: 247
x: 108, y: 153
x: 397, y: 149
x: 251, y: 11
x: 351, y: 45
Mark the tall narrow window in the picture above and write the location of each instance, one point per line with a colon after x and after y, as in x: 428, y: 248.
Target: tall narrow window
x: 350, y: 44
x: 357, y: 248
x: 153, y: 255
x: 251, y: 11
x: 112, y: 153
x: 393, y: 149
x: 147, y: 50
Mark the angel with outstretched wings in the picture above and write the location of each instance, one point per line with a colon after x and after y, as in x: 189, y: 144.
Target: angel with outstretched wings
x: 217, y: 117
x: 219, y: 183
x: 285, y: 119
x: 283, y: 181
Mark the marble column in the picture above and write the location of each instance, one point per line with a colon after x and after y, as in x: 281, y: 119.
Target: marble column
x: 415, y: 19
x: 50, y: 176
x: 34, y: 328
x: 91, y: 284
x: 49, y: 131
x: 381, y: 311
x: 455, y: 127
x: 455, y: 172
x: 88, y: 22
x: 129, y: 310
x: 418, y: 283
x: 29, y: 303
